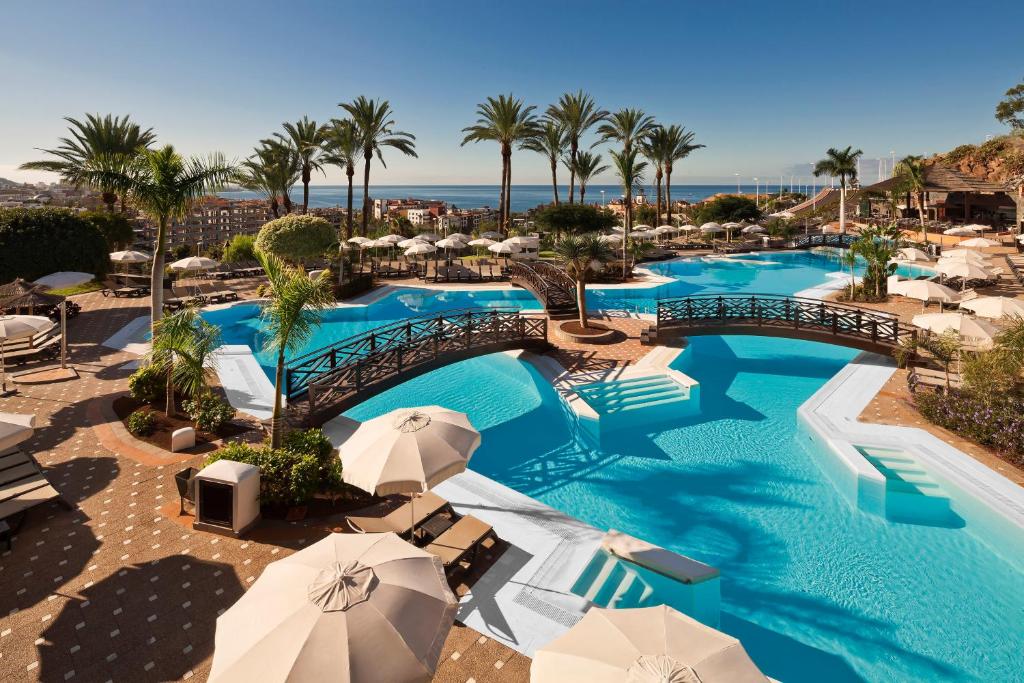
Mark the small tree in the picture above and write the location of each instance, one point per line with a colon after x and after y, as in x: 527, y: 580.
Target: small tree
x: 296, y: 238
x: 582, y: 255
x: 115, y: 228
x: 727, y: 209
x: 568, y: 218
x: 183, y: 345
x: 240, y: 248
x: 36, y: 242
x: 1010, y: 109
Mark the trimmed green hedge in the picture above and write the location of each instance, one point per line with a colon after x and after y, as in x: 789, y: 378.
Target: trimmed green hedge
x: 296, y: 237
x: 37, y: 242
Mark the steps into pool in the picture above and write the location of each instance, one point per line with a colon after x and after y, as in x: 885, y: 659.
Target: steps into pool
x: 911, y: 494
x: 641, y: 397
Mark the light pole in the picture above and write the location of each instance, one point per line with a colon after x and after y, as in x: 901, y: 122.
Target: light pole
x: 605, y: 205
x: 737, y: 182
x: 757, y: 193
x: 892, y: 155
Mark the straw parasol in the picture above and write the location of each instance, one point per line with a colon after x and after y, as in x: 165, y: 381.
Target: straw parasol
x: 643, y: 645
x: 912, y: 254
x: 351, y: 607
x: 995, y: 307
x: 978, y: 243
x: 926, y: 290
x: 976, y: 332
x: 409, y: 450
x: 22, y: 294
x: 18, y: 327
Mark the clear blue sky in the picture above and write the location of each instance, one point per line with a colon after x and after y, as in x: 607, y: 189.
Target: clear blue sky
x: 766, y: 86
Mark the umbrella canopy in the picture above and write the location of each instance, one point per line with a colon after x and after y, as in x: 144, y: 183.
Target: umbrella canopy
x: 967, y: 270
x: 391, y: 239
x: 21, y: 326
x: 667, y: 228
x: 978, y: 243
x: 960, y: 231
x: 504, y: 248
x: 358, y: 240
x: 31, y: 299
x: 643, y: 645
x: 409, y: 450
x: 450, y: 243
x: 912, y: 254
x: 351, y: 608
x: 689, y: 228
x: 642, y: 226
x: 926, y: 290
x: 995, y: 307
x: 129, y: 257
x: 491, y: 235
x: 15, y: 428
x: 782, y: 214
x: 65, y: 278
x: 482, y: 242
x: 753, y: 229
x: 711, y: 228
x: 194, y: 263
x: 977, y: 227
x: 429, y: 236
x: 970, y: 329
x: 420, y: 248
x: 523, y: 240
x: 611, y: 238
x: 732, y: 225
x: 462, y: 237
x: 405, y: 244
x: 963, y: 255
x: 619, y: 228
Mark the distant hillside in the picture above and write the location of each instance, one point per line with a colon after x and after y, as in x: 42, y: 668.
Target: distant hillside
x: 999, y: 160
x: 4, y: 182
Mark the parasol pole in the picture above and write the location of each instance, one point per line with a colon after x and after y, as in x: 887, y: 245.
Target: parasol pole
x: 63, y: 334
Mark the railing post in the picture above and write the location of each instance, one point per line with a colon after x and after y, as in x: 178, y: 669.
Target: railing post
x: 334, y: 358
x: 721, y: 308
x: 469, y: 330
x: 359, y: 375
x: 437, y: 334
x: 835, y: 323
x: 858, y: 321
x: 874, y: 331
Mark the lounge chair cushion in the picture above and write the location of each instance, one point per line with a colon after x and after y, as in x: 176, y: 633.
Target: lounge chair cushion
x: 400, y: 521
x: 455, y: 543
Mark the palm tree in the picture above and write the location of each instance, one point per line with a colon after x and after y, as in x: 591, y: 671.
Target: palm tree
x: 271, y: 170
x: 550, y: 141
x: 678, y: 145
x: 842, y: 164
x: 654, y: 147
x: 577, y: 112
x: 587, y: 167
x: 631, y: 173
x: 506, y: 120
x: 305, y: 138
x: 376, y: 129
x: 96, y: 145
x: 910, y: 170
x: 164, y: 185
x: 291, y: 315
x: 183, y: 346
x: 579, y: 254
x: 341, y: 149
x: 628, y: 127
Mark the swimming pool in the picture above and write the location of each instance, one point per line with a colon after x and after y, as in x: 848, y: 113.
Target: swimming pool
x: 816, y: 589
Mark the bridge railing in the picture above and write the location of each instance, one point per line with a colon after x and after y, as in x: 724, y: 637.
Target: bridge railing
x: 783, y: 311
x: 351, y: 365
x: 546, y: 281
x: 829, y: 239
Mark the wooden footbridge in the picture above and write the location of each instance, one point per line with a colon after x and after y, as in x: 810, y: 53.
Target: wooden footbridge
x: 550, y: 284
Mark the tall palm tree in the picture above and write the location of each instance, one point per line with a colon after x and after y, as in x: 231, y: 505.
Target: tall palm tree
x: 578, y: 113
x: 627, y: 127
x: 842, y: 164
x: 588, y: 165
x: 631, y: 173
x: 579, y: 254
x: 910, y: 171
x: 508, y: 121
x: 305, y: 138
x: 341, y: 149
x: 183, y: 348
x: 550, y: 141
x: 678, y: 145
x: 108, y: 144
x: 654, y: 147
x: 376, y: 129
x: 271, y: 170
x: 291, y: 315
x: 164, y: 185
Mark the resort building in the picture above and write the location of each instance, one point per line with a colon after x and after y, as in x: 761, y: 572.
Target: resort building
x: 214, y: 220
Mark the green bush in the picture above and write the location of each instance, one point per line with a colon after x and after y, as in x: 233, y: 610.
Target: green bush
x: 958, y: 154
x: 115, y: 228
x: 208, y: 412
x: 148, y: 384
x: 296, y: 237
x: 730, y: 208
x: 141, y: 423
x: 314, y: 442
x: 240, y: 248
x: 37, y: 242
x: 574, y: 218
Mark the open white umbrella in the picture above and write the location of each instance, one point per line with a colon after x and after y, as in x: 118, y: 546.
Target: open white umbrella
x: 667, y: 229
x: 359, y: 240
x: 966, y: 270
x: 754, y: 229
x: 18, y: 327
x: 391, y: 239
x: 611, y: 238
x: 960, y: 231
x: 642, y: 226
x: 927, y: 290
x: 194, y: 263
x: 352, y: 608
x: 65, y: 278
x: 643, y: 645
x: 963, y: 255
x: 619, y: 228
x: 492, y: 235
x: 409, y: 450
x: 504, y: 249
x: 995, y: 307
x: 420, y: 248
x: 978, y: 243
x: 450, y: 243
x: 711, y: 228
x: 481, y: 242
x: 462, y: 237
x: 689, y: 228
x: 429, y: 236
x: 971, y: 330
x: 912, y: 254
x: 405, y: 244
x: 523, y: 240
x: 129, y: 257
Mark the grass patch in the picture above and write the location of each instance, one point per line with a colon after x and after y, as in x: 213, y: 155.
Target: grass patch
x: 84, y: 288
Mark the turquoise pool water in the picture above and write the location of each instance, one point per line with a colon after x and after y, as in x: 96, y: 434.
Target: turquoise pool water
x: 816, y: 589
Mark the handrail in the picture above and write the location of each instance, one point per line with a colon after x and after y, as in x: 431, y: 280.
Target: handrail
x: 716, y: 312
x: 342, y: 370
x: 826, y: 239
x: 551, y: 284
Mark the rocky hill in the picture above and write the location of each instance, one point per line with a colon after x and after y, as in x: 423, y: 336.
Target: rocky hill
x: 999, y: 160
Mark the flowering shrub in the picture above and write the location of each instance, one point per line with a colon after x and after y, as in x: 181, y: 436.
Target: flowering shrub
x: 141, y: 423
x: 996, y: 421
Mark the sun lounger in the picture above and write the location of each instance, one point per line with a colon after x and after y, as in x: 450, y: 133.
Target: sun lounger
x: 400, y: 521
x: 462, y: 540
x: 187, y: 298
x: 45, y: 347
x: 210, y: 293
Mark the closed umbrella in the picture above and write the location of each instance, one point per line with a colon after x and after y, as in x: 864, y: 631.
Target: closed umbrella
x: 976, y: 332
x: 409, y: 450
x: 978, y: 243
x: 352, y: 608
x: 18, y: 327
x: 643, y: 645
x: 995, y: 307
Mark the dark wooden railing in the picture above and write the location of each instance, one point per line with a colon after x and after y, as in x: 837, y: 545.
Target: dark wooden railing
x: 781, y: 316
x: 338, y: 376
x: 830, y: 239
x: 550, y: 284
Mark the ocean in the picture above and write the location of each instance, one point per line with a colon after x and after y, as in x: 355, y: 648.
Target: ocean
x: 475, y: 196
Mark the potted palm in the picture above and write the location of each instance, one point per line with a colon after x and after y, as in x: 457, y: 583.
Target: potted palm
x: 583, y: 256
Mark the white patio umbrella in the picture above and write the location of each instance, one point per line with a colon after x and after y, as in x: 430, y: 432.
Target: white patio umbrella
x: 492, y: 235
x: 732, y: 225
x: 481, y: 242
x: 963, y: 255
x: 754, y: 229
x: 912, y: 254
x: 610, y: 238
x: 642, y: 226
x: 667, y: 229
x: 960, y: 231
x: 619, y: 228
x: 995, y: 307
x: 462, y: 237
x: 643, y: 645
x: 971, y: 330
x: 450, y: 243
x: 359, y: 240
x: 429, y: 236
x: 15, y: 428
x: 194, y: 263
x: 963, y: 269
x: 978, y: 227
x: 18, y: 327
x: 523, y: 240
x: 351, y: 608
x: 391, y: 239
x: 978, y: 243
x: 409, y: 450
x: 504, y: 248
x: 65, y: 278
x: 420, y: 248
x: 711, y: 228
x: 927, y: 290
x: 405, y: 244
x: 689, y: 228
x: 129, y: 257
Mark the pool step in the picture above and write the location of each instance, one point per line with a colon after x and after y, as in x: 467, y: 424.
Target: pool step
x: 645, y: 398
x: 911, y: 494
